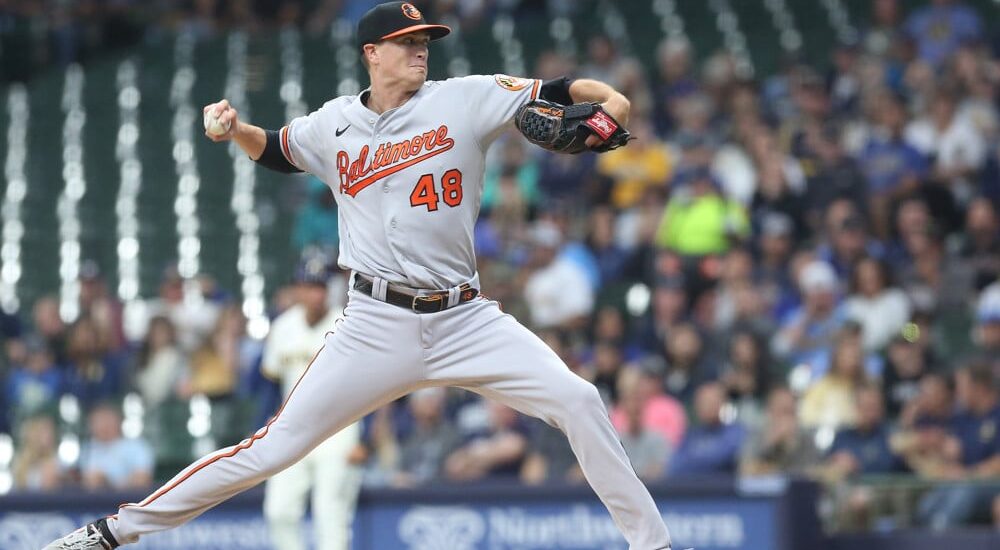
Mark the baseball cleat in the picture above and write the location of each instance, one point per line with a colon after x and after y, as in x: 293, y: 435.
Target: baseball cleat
x: 93, y: 536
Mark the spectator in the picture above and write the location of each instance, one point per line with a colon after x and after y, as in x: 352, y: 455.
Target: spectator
x: 746, y: 375
x: 955, y: 144
x: 49, y: 326
x: 674, y: 61
x: 550, y: 459
x: 864, y: 448
x: 712, y: 446
x: 875, y: 304
x: 35, y: 386
x: 643, y: 164
x: 834, y: 175
x: 906, y: 368
x: 647, y: 449
x: 109, y: 460
x: 657, y: 412
x: 558, y: 292
x: 687, y: 366
x: 93, y: 374
x: 979, y: 245
x: 514, y: 167
x: 698, y: 220
x: 604, y: 368
x: 498, y: 451
x: 987, y: 332
x: 925, y: 425
x: 97, y: 304
x: 941, y: 28
x: 423, y: 450
x: 892, y: 167
x: 779, y: 445
x: 830, y: 402
x: 846, y: 238
x: 36, y: 464
x: 182, y: 301
x: 611, y: 259
x: 809, y: 331
x: 972, y: 454
x: 160, y: 365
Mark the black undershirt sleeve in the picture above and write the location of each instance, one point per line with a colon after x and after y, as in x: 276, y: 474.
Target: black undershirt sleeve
x: 556, y: 90
x: 272, y: 157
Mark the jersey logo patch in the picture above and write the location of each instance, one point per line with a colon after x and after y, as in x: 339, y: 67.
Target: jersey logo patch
x: 412, y: 12
x: 389, y: 158
x: 512, y: 83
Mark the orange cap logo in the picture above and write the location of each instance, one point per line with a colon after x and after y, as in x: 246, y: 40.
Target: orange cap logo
x: 412, y: 12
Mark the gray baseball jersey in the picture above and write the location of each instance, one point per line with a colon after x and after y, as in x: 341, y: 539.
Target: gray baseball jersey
x: 408, y: 182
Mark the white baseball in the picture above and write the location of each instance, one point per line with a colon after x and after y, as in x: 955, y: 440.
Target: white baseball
x: 212, y: 124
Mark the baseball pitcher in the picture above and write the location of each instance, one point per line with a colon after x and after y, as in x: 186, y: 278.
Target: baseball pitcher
x: 404, y: 159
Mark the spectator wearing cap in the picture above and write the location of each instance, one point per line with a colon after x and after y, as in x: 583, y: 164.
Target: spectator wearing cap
x: 558, y: 291
x: 712, y: 446
x: 880, y: 308
x: 846, y: 238
x: 774, y: 245
x: 698, y: 220
x: 804, y: 337
x: 654, y: 410
x: 779, y: 445
x: 830, y: 402
x: 645, y: 163
x: 941, y: 28
x: 647, y: 449
x: 108, y: 460
x: 972, y: 453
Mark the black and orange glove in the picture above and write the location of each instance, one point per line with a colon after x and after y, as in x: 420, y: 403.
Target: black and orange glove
x: 565, y: 128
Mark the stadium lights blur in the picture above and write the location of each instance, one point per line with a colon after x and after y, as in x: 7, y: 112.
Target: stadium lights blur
x: 130, y: 175
x: 242, y: 201
x: 17, y: 189
x: 637, y: 299
x: 186, y: 114
x: 75, y: 187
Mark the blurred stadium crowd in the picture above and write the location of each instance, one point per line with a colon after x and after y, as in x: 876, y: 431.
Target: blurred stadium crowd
x: 793, y: 274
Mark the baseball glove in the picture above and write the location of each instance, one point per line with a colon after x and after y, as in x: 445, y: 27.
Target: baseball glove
x: 565, y: 128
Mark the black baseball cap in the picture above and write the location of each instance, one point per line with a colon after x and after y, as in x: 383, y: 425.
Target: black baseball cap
x: 393, y: 19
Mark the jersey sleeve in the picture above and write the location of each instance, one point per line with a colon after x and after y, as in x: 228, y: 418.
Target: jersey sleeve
x: 303, y: 142
x: 492, y: 101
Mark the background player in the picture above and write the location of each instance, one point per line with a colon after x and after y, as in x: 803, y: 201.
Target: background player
x: 330, y: 470
x: 405, y: 159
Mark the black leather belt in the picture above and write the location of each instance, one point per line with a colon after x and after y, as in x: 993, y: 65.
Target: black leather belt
x: 432, y: 302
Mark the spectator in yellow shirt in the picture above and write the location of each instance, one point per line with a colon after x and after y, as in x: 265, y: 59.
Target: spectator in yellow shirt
x: 645, y: 163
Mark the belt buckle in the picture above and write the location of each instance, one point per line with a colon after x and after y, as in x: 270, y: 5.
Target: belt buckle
x: 442, y: 305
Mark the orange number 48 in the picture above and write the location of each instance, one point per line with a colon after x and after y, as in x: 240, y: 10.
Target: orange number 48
x: 424, y: 193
